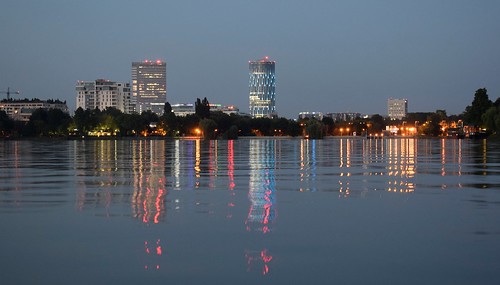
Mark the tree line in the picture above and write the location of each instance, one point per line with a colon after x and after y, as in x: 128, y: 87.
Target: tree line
x: 482, y: 113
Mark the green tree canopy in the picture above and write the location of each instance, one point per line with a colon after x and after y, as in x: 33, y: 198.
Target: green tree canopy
x: 474, y: 112
x: 208, y: 127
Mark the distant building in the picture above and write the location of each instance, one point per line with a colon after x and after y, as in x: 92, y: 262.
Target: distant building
x: 21, y: 110
x: 262, y: 87
x: 311, y: 115
x: 184, y: 109
x: 149, y: 86
x: 231, y: 109
x: 343, y: 117
x: 397, y: 108
x: 102, y: 94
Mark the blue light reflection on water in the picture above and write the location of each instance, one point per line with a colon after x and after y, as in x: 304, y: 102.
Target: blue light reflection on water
x: 184, y: 210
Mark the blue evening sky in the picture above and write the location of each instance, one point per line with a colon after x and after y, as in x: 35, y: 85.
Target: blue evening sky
x: 331, y: 56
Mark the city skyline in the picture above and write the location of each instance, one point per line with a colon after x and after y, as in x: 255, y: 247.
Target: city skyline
x: 333, y: 56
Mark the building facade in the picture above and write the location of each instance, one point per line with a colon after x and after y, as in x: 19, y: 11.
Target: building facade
x: 21, y: 110
x: 149, y: 86
x: 397, y: 109
x: 343, y: 117
x: 229, y: 110
x: 311, y: 115
x: 102, y: 94
x: 184, y: 109
x: 262, y: 86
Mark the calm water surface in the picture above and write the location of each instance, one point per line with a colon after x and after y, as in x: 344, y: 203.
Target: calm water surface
x: 250, y: 211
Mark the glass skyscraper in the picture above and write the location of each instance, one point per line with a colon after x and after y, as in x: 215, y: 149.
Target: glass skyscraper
x: 149, y: 86
x: 262, y: 88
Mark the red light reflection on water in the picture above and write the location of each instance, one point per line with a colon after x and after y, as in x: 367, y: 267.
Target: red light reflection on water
x: 153, y: 252
x: 254, y: 258
x: 149, y: 200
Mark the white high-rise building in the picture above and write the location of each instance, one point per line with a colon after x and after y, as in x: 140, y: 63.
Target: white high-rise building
x: 397, y: 108
x: 102, y: 94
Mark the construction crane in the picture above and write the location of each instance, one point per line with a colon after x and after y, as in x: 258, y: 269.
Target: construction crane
x: 8, y: 92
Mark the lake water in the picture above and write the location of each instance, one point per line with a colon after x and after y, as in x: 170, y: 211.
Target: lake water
x: 250, y: 211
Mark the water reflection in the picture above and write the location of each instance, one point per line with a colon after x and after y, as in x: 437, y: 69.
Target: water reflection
x: 230, y: 177
x: 345, y: 153
x: 232, y: 183
x: 258, y: 260
x: 105, y: 171
x: 108, y: 169
x: 262, y: 196
x: 401, y: 165
x: 148, y: 164
x: 307, y: 170
x: 262, y: 186
x: 153, y: 251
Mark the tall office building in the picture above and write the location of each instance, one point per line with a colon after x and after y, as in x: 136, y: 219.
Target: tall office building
x: 397, y: 108
x: 149, y: 86
x: 262, y: 88
x: 103, y: 93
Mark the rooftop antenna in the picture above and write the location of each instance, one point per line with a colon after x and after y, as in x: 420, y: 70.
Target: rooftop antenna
x: 8, y: 92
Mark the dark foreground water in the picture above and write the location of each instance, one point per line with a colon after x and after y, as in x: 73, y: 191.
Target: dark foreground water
x: 334, y: 211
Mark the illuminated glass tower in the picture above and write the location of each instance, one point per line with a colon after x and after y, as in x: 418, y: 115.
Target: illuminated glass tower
x: 149, y: 86
x: 262, y: 88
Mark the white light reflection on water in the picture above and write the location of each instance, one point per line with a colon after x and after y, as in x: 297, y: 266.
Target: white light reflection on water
x: 198, y: 211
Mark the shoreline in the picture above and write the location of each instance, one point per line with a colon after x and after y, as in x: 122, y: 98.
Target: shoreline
x: 494, y: 137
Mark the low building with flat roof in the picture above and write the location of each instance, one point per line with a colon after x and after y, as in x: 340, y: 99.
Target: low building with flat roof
x: 21, y: 110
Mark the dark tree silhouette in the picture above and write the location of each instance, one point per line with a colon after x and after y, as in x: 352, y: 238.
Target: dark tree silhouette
x: 474, y: 112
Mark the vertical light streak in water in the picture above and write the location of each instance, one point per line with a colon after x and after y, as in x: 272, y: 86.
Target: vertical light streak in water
x: 341, y: 165
x: 230, y: 176
x: 401, y: 160
x: 348, y: 154
x: 485, y: 148
x: 213, y: 157
x: 366, y: 156
x: 307, y: 171
x: 344, y: 165
x: 230, y: 164
x: 197, y: 168
x: 148, y: 202
x: 302, y: 162
x: 443, y: 157
x: 262, y: 196
x: 341, y: 153
x: 261, y: 185
x: 459, y: 157
x: 177, y: 166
